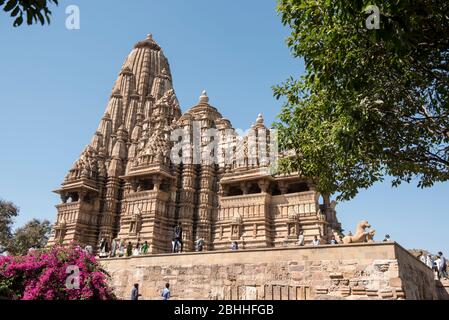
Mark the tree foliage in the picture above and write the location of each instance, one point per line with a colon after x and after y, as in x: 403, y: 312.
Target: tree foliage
x: 8, y: 211
x: 34, y: 234
x: 31, y: 11
x: 372, y: 102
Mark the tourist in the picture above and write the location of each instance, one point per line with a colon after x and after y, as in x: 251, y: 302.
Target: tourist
x: 301, y: 238
x: 199, y: 244
x: 113, y: 248
x: 441, y: 264
x: 177, y: 238
x: 387, y: 238
x: 88, y: 249
x: 333, y: 240
x: 103, y: 247
x: 144, y: 248
x: 234, y: 246
x: 429, y: 261
x: 173, y: 245
x: 135, y: 292
x: 166, y: 292
x: 316, y: 241
x: 136, y: 250
x: 129, y: 249
x: 422, y: 257
x: 31, y: 250
x: 121, y: 251
x: 437, y: 267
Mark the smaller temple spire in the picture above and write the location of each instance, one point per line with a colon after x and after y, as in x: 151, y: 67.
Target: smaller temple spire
x: 259, y: 119
x: 126, y: 71
x: 116, y: 93
x: 204, y: 98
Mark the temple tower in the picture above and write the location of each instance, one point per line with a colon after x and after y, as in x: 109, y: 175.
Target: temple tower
x: 132, y: 183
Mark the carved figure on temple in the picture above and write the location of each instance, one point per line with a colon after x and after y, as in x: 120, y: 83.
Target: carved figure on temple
x: 360, y: 234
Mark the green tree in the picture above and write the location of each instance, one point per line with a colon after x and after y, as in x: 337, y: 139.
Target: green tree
x: 8, y: 211
x: 33, y: 11
x: 34, y: 233
x: 372, y: 102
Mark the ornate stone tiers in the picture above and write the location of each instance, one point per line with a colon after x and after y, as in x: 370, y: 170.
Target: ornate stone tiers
x: 125, y: 185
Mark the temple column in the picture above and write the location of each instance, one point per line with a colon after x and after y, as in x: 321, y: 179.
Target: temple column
x: 109, y: 218
x: 205, y: 206
x: 187, y: 206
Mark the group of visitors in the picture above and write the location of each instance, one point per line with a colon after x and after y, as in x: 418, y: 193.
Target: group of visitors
x: 135, y: 292
x: 119, y: 249
x: 438, y: 264
x: 316, y: 241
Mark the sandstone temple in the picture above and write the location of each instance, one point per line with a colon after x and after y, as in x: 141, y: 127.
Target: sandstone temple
x: 125, y: 185
x: 150, y: 167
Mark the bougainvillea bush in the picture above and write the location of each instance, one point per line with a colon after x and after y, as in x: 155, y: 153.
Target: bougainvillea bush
x: 57, y: 273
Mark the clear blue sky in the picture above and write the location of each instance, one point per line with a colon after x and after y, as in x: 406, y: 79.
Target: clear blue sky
x: 55, y: 83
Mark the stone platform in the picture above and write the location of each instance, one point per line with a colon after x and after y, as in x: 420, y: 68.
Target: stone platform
x: 357, y: 271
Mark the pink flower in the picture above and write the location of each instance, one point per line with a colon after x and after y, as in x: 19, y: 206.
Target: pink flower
x: 42, y: 275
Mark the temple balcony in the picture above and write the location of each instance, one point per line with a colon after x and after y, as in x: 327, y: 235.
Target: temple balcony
x: 68, y: 212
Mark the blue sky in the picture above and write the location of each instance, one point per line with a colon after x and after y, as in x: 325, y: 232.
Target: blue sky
x: 55, y: 83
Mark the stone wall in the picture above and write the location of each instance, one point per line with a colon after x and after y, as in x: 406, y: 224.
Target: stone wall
x: 357, y: 271
x: 414, y: 276
x: 443, y: 289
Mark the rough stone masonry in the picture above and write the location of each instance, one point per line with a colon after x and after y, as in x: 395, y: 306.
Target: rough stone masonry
x: 356, y: 271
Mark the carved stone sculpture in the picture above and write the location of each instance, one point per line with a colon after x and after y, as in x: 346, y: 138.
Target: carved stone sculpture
x: 360, y: 234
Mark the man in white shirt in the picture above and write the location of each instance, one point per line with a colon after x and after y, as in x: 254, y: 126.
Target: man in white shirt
x: 429, y: 261
x: 301, y: 238
x: 316, y: 241
x: 441, y: 265
x: 422, y: 257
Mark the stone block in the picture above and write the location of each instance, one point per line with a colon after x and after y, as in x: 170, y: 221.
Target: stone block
x: 395, y: 282
x: 358, y: 291
x: 345, y: 291
x: 321, y: 290
x: 386, y: 294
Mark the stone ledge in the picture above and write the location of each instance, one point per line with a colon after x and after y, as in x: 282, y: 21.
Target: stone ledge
x: 291, y: 248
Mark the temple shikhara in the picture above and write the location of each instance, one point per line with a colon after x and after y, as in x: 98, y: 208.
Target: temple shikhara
x: 125, y: 185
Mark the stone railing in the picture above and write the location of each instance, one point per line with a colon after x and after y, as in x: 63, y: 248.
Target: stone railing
x: 302, y: 209
x: 68, y: 211
x: 244, y: 211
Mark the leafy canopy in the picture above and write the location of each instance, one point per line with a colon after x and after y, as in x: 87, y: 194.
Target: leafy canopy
x: 34, y: 234
x: 372, y: 102
x: 8, y: 211
x: 32, y: 10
